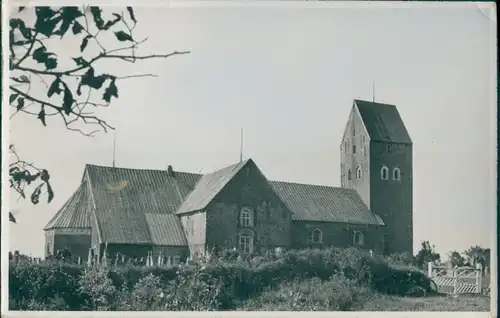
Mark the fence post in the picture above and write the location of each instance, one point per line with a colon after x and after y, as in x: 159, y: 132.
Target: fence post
x: 479, y: 276
x: 455, y: 281
x: 429, y: 269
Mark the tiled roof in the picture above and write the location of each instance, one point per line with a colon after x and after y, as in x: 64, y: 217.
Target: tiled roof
x: 309, y: 202
x: 165, y: 229
x: 208, y: 187
x: 74, y: 213
x: 136, y: 206
x: 383, y: 122
x: 124, y: 197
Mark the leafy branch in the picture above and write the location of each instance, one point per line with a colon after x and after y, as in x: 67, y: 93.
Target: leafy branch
x: 69, y: 93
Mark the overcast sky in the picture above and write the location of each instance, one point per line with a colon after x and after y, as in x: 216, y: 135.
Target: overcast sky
x: 289, y: 76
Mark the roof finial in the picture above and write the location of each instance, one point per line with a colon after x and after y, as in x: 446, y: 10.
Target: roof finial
x: 114, y: 148
x: 373, y: 90
x: 241, y: 145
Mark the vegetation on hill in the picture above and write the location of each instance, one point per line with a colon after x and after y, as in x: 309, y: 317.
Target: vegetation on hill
x: 342, y: 279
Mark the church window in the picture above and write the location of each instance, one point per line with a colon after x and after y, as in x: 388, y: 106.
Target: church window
x: 384, y: 172
x: 176, y: 259
x: 349, y: 174
x: 246, y: 217
x: 396, y: 174
x: 358, y: 173
x: 345, y: 146
x: 246, y: 242
x: 389, y: 148
x: 353, y: 149
x: 354, y: 131
x: 317, y: 236
x: 358, y: 238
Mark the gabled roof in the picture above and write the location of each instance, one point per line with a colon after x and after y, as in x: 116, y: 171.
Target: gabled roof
x: 208, y: 187
x: 74, y: 213
x: 130, y: 202
x: 134, y: 206
x: 309, y: 202
x: 383, y: 122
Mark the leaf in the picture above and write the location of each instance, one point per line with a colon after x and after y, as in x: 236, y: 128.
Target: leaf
x: 67, y: 100
x: 96, y: 13
x: 12, y: 98
x: 20, y: 103
x: 41, y: 116
x: 80, y: 61
x: 35, y: 196
x: 19, y: 24
x: 50, y: 192
x: 95, y: 82
x: 40, y: 55
x: 68, y: 14
x: 24, y: 79
x: 122, y: 36
x: 45, y: 175
x: 54, y: 88
x: 85, y: 42
x: 112, y: 90
x: 12, y: 218
x: 77, y: 28
x: 110, y: 23
x: 51, y: 63
x: 46, y: 20
x: 131, y: 13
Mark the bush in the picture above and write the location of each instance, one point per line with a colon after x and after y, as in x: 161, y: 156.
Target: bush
x: 336, y: 294
x: 220, y: 285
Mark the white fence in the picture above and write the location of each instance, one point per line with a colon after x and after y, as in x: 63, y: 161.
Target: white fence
x: 459, y: 280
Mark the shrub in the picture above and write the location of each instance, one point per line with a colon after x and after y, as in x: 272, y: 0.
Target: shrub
x: 98, y: 288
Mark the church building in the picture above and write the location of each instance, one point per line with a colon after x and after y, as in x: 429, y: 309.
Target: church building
x: 136, y: 212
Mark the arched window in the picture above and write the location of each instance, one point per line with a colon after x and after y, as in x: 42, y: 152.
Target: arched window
x: 349, y: 174
x: 396, y: 174
x: 358, y: 238
x: 246, y: 217
x: 176, y: 259
x: 353, y: 149
x: 317, y: 236
x: 384, y: 173
x: 245, y: 242
x: 358, y: 173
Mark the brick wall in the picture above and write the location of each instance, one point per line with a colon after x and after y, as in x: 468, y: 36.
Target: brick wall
x: 271, y: 219
x: 194, y: 225
x: 392, y: 200
x: 335, y: 234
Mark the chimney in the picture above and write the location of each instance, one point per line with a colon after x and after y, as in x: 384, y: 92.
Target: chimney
x: 170, y: 171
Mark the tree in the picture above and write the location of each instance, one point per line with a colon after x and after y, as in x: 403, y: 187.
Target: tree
x: 427, y: 254
x: 456, y: 259
x: 477, y: 254
x: 70, y: 84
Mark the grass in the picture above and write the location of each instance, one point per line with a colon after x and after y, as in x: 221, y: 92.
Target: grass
x: 432, y: 303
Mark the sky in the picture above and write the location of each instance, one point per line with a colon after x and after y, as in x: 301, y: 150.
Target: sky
x: 288, y: 75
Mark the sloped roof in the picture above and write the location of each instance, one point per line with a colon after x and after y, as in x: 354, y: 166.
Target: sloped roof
x: 136, y: 206
x: 74, y: 213
x: 130, y: 201
x: 208, y: 187
x: 383, y: 122
x: 309, y: 202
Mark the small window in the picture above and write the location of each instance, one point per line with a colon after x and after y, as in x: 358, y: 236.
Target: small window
x: 384, y: 173
x: 396, y: 174
x: 345, y: 146
x: 353, y: 149
x: 358, y: 238
x: 363, y: 139
x: 176, y: 259
x: 358, y: 173
x: 354, y: 131
x: 317, y: 236
x: 246, y: 217
x: 349, y: 174
x: 246, y: 243
x: 389, y: 148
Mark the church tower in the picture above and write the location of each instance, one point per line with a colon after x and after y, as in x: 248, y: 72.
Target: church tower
x: 376, y: 160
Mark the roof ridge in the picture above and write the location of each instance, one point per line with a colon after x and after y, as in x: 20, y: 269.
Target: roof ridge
x: 309, y: 184
x: 139, y: 169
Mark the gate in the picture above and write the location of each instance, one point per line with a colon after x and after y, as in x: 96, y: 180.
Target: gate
x: 459, y: 280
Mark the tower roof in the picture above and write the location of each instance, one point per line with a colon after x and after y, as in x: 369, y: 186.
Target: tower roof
x: 383, y: 122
